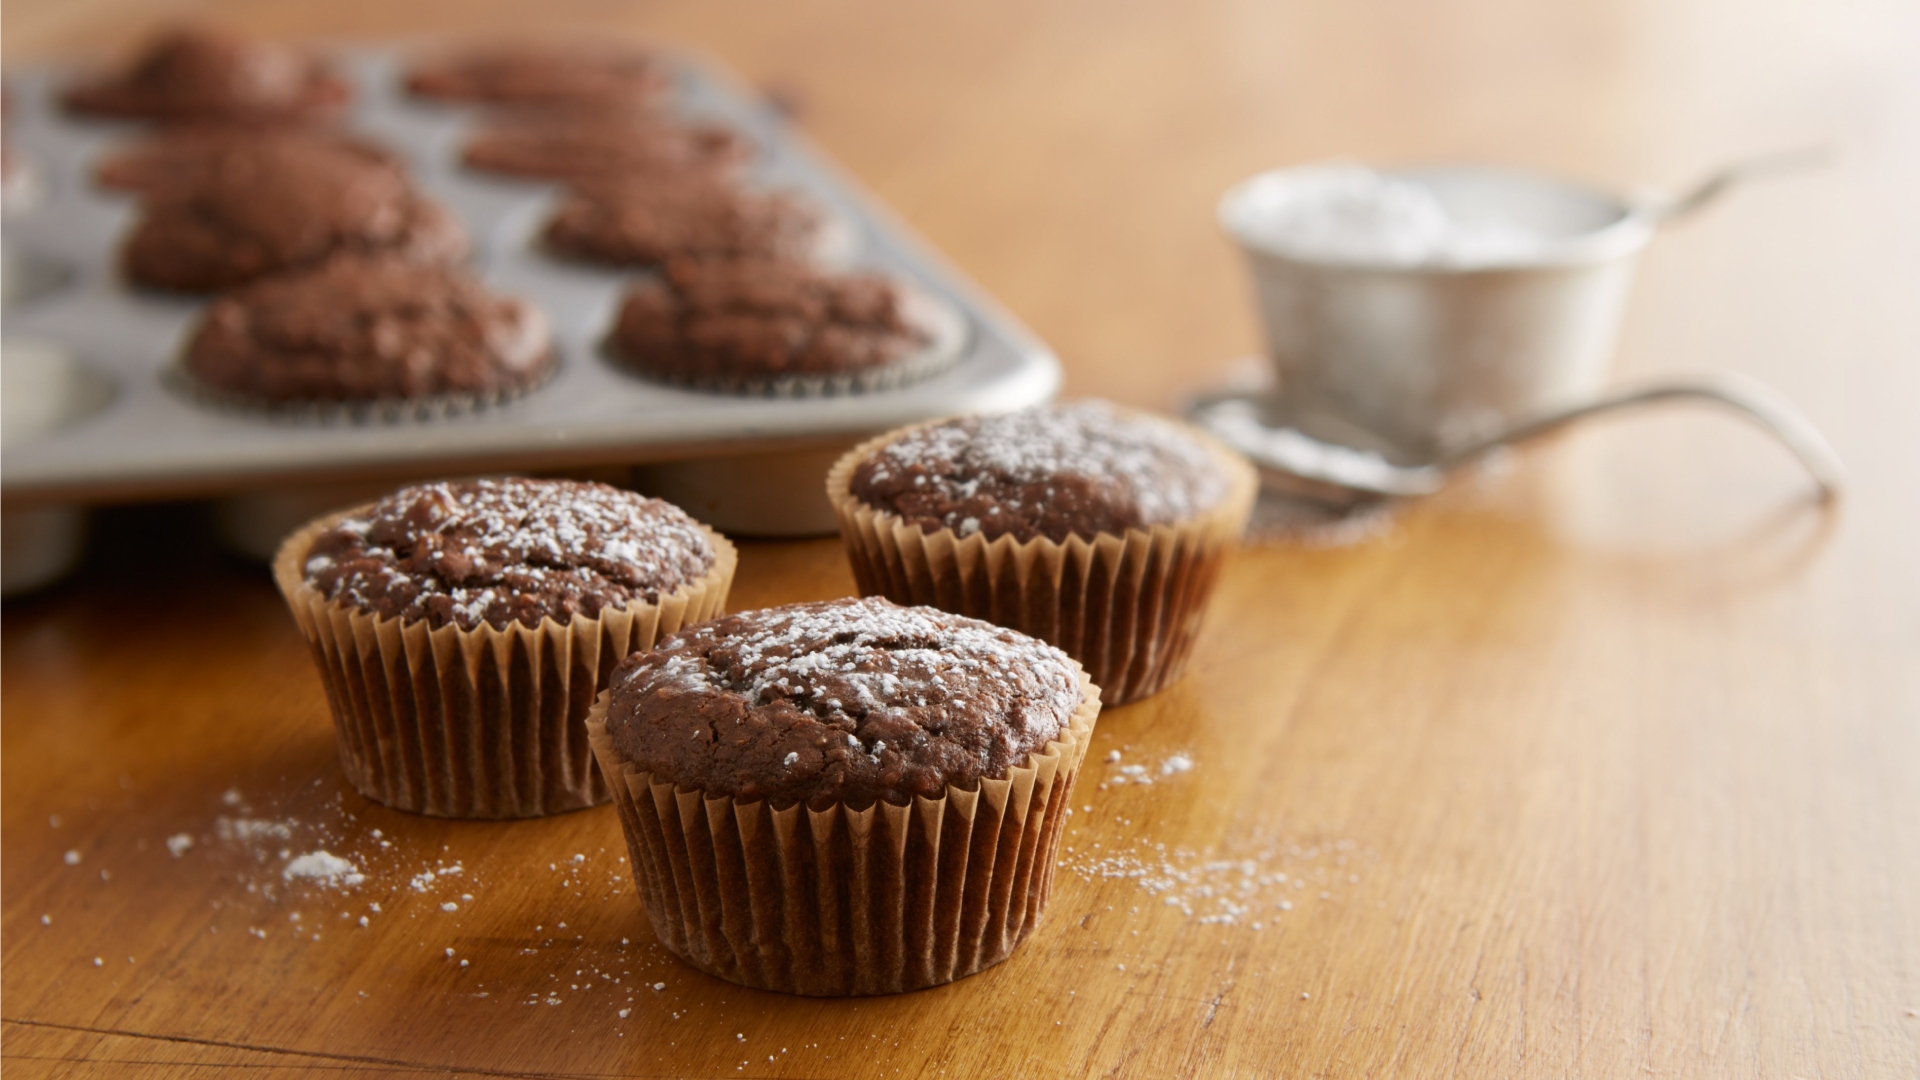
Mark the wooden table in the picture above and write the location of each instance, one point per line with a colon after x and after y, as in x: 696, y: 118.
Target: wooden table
x: 1603, y: 764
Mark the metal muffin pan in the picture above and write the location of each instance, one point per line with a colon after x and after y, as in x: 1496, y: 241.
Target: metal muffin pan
x: 153, y: 441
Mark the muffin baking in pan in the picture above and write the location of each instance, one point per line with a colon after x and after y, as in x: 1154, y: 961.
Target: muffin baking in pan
x: 265, y: 207
x: 200, y: 74
x: 542, y: 73
x: 582, y: 143
x: 779, y: 327
x: 563, y: 187
x: 642, y: 221
x: 189, y: 156
x: 379, y: 332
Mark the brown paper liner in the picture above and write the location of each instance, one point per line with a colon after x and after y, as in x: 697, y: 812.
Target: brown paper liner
x: 480, y: 723
x: 1126, y: 606
x: 432, y: 407
x: 948, y: 337
x: 840, y: 902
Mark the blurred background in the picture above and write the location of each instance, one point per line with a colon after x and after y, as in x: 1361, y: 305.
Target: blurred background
x: 1067, y: 153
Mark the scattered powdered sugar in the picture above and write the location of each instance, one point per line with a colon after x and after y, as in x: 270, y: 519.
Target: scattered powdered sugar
x: 251, y: 830
x: 285, y: 857
x: 1248, y: 885
x: 323, y: 866
x: 423, y: 881
x: 1348, y: 213
x: 1125, y: 772
x: 424, y: 901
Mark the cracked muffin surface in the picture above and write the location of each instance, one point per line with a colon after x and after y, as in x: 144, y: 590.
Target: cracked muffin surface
x: 279, y: 204
x: 1080, y: 468
x: 496, y: 552
x: 852, y: 701
x: 196, y: 73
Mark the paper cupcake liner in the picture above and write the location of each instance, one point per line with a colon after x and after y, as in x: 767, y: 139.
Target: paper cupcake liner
x: 944, y: 325
x: 369, y: 411
x: 839, y: 902
x: 481, y: 723
x: 1126, y: 606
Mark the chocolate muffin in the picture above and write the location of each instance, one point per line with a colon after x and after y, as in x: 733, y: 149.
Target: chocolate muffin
x: 581, y: 144
x: 645, y: 220
x: 187, y: 157
x: 201, y: 74
x: 750, y: 324
x: 1083, y: 468
x: 901, y: 766
x: 1091, y: 527
x: 852, y: 701
x: 365, y: 328
x: 278, y: 205
x: 542, y: 73
x: 504, y: 551
x: 463, y: 631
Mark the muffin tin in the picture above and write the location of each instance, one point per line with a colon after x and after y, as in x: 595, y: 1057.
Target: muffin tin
x: 153, y: 441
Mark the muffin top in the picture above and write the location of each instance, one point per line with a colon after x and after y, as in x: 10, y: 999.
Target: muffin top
x: 195, y: 73
x: 575, y: 143
x: 365, y: 328
x: 189, y: 156
x: 541, y: 73
x: 1056, y: 471
x: 647, y: 219
x: 847, y: 700
x: 746, y: 320
x: 279, y: 204
x: 505, y: 551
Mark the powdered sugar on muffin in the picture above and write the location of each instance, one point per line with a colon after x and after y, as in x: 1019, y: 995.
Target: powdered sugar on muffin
x: 1055, y: 471
x: 851, y: 700
x: 500, y: 551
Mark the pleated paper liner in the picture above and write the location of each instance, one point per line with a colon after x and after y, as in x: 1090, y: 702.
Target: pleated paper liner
x: 481, y: 723
x: 1126, y: 606
x: 944, y: 325
x: 315, y: 413
x: 839, y: 902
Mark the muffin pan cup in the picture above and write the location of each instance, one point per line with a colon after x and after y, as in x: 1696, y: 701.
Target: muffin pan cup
x: 946, y: 332
x: 839, y: 901
x: 426, y: 408
x: 1126, y: 606
x: 481, y: 723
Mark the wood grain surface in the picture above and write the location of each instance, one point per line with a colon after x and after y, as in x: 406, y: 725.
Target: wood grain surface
x: 1604, y: 763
